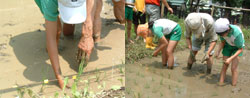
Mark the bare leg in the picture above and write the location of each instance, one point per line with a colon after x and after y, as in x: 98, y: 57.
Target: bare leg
x: 209, y: 64
x: 234, y: 70
x: 119, y: 10
x: 97, y: 21
x: 51, y: 42
x: 129, y: 24
x: 135, y: 28
x: 68, y: 29
x: 164, y: 56
x: 223, y: 71
x: 170, y: 53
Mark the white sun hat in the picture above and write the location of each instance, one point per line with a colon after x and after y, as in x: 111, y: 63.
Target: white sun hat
x: 72, y: 11
x: 221, y: 25
x: 196, y: 24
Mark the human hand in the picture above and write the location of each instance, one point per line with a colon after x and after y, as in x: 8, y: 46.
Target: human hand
x: 227, y: 61
x: 217, y: 54
x: 86, y: 44
x: 154, y: 54
x: 170, y: 10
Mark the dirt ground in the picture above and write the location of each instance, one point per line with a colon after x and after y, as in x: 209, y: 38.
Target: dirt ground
x: 148, y: 79
x: 24, y: 60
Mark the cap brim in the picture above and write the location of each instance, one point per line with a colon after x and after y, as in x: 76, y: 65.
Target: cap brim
x: 73, y: 15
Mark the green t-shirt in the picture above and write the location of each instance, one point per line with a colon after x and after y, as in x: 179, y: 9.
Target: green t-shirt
x: 158, y: 31
x: 235, y: 37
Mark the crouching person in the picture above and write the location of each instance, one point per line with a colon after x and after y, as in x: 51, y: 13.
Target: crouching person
x: 169, y: 34
x: 201, y: 25
x: 232, y: 43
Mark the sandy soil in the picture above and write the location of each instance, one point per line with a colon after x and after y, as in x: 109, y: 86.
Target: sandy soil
x: 148, y: 79
x: 23, y: 58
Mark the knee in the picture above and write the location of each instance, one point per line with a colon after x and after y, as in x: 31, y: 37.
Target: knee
x: 234, y: 70
x: 169, y: 52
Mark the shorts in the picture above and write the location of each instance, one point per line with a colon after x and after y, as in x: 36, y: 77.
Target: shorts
x: 49, y: 9
x: 153, y: 12
x: 196, y: 44
x: 229, y: 50
x: 128, y: 13
x: 139, y: 18
x: 175, y: 35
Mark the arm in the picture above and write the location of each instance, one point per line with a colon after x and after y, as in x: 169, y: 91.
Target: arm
x: 211, y: 48
x: 222, y: 44
x: 239, y: 42
x: 163, y: 43
x: 233, y: 56
x: 188, y: 36
x: 166, y: 4
x: 129, y: 4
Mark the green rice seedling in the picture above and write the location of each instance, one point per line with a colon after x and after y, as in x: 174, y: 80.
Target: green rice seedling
x: 56, y: 95
x: 214, y: 94
x: 138, y: 73
x: 153, y: 79
x: 161, y: 82
x: 154, y: 90
x: 97, y: 75
x: 142, y: 75
x: 168, y: 75
x: 147, y: 86
x: 162, y: 74
x: 179, y: 80
x: 135, y: 82
x: 161, y: 94
x: 121, y: 81
x: 139, y: 95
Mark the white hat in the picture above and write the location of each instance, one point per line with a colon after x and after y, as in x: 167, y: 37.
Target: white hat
x: 72, y: 11
x: 195, y: 22
x: 221, y: 25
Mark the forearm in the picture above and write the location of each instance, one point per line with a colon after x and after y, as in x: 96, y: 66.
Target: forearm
x: 211, y: 48
x: 165, y: 3
x: 160, y: 48
x: 189, y: 43
x: 237, y: 53
x: 129, y: 4
x: 222, y: 44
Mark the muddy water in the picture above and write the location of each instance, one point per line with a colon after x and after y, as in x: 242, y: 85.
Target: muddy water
x: 148, y: 79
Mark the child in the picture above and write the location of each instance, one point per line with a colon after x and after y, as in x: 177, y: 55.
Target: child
x: 232, y: 42
x: 139, y: 15
x: 143, y: 32
x: 169, y: 33
x: 129, y: 17
x: 70, y: 13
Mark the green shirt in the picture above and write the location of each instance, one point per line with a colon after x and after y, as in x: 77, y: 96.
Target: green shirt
x: 163, y: 27
x: 235, y: 37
